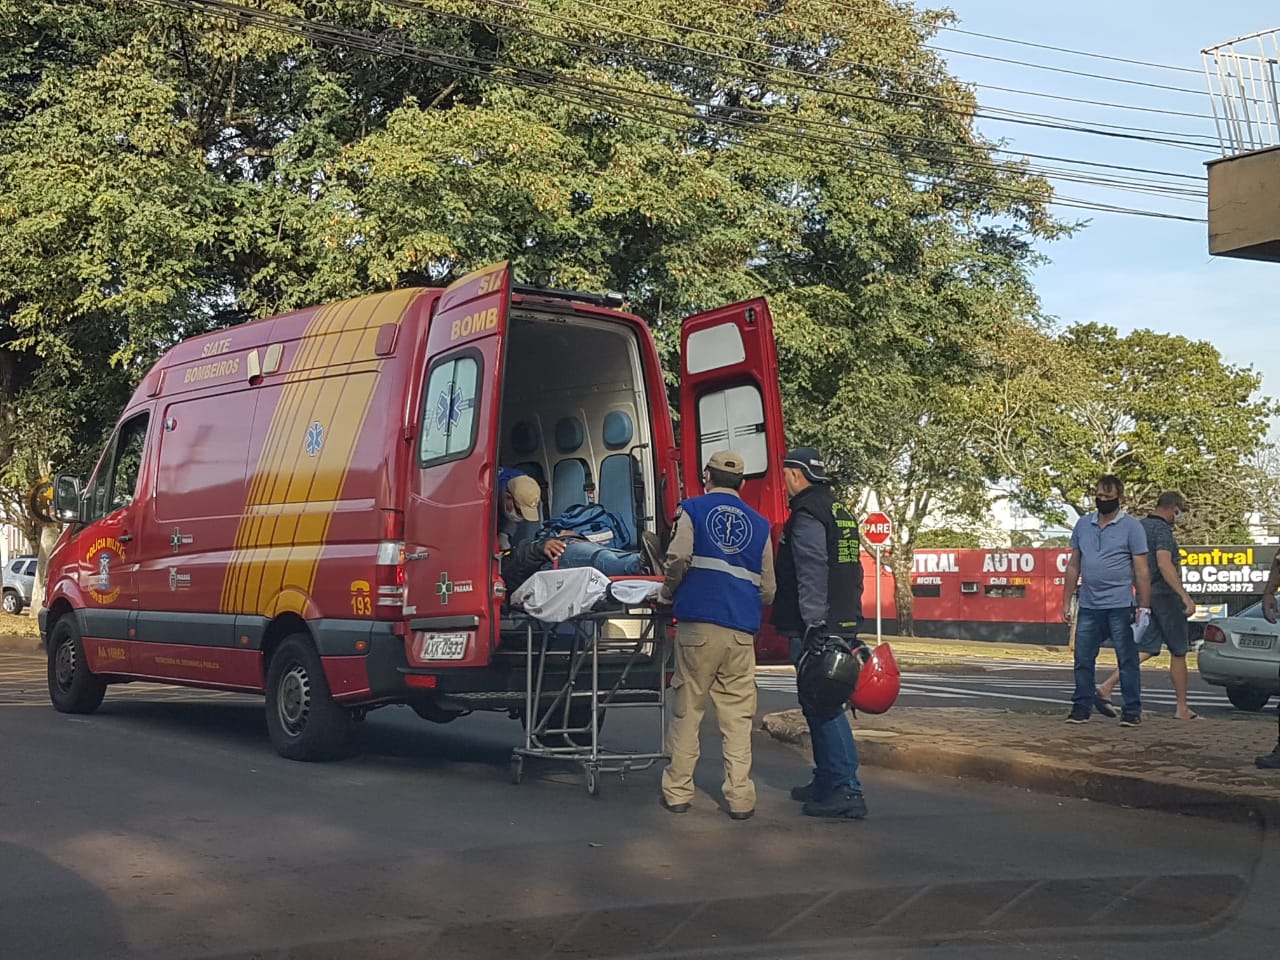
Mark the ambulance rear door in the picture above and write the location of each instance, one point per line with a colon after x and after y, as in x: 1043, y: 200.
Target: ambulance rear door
x: 449, y: 563
x: 730, y: 399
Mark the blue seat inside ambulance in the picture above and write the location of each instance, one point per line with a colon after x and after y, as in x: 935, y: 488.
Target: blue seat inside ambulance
x: 618, y: 474
x: 571, y: 476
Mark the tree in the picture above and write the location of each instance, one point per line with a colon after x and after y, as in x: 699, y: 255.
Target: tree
x: 170, y: 171
x: 1158, y: 410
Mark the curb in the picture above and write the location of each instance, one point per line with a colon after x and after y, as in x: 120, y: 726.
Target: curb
x: 1042, y: 774
x: 10, y: 643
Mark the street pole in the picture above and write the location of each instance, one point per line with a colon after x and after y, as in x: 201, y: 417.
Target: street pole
x: 877, y: 594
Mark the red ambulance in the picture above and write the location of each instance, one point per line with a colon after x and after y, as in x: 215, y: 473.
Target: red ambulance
x: 306, y: 505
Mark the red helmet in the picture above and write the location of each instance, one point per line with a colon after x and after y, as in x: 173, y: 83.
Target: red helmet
x: 878, y: 682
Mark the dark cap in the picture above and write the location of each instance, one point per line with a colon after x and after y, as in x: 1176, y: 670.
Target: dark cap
x: 809, y: 462
x: 727, y: 461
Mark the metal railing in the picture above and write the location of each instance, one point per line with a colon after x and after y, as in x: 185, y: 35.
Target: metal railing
x: 1244, y: 88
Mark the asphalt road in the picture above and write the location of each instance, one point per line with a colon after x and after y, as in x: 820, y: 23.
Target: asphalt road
x: 165, y: 826
x: 1008, y: 685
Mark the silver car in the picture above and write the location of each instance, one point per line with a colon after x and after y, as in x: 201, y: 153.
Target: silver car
x: 19, y: 581
x: 1242, y: 653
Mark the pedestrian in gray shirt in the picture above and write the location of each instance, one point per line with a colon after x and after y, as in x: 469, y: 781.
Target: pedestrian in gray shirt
x: 1170, y: 606
x: 1109, y: 560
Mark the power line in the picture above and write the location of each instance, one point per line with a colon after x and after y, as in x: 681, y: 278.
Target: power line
x: 413, y: 4
x: 378, y: 45
x: 1076, y: 53
x: 1074, y: 73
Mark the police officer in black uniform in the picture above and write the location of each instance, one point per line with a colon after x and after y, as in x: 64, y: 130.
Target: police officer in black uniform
x: 819, y: 572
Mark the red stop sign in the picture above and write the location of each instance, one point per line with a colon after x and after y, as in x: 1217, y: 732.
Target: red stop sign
x: 876, y: 529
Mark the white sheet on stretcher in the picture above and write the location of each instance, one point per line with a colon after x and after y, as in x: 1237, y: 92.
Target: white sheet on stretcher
x: 631, y: 593
x: 554, y: 596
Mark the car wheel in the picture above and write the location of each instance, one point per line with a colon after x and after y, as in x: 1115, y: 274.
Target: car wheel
x: 1247, y: 698
x: 72, y: 687
x: 302, y: 718
x: 12, y: 602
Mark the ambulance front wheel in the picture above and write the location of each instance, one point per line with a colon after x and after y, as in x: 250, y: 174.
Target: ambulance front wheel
x: 303, y: 720
x: 72, y: 687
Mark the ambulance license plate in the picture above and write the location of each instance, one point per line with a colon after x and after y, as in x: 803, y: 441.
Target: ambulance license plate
x: 443, y: 646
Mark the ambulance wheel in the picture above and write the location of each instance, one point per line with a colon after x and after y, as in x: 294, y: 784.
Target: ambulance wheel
x: 517, y: 770
x: 72, y: 688
x: 302, y: 719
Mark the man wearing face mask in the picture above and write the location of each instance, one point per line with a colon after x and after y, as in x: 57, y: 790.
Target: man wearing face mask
x: 1170, y: 606
x: 1109, y: 560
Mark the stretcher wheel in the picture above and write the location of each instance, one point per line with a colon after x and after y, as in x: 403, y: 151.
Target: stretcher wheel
x: 593, y: 781
x: 517, y: 769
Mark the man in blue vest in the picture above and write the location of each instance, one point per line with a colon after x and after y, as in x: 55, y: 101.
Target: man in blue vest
x: 719, y: 574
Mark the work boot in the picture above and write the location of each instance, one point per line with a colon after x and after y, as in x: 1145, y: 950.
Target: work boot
x: 843, y: 804
x: 651, y: 547
x: 1271, y: 761
x: 803, y: 794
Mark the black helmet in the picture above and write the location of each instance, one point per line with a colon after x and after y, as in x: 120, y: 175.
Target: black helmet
x: 825, y: 679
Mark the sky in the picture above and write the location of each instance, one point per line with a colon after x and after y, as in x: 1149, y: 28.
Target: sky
x: 1125, y: 271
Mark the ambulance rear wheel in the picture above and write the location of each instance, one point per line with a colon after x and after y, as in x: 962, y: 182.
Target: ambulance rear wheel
x: 302, y: 719
x: 72, y: 688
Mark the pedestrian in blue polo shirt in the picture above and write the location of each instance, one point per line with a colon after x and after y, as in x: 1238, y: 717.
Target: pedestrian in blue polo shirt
x: 1109, y: 559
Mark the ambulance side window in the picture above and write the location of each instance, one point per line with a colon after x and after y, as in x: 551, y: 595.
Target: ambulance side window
x: 116, y: 482
x: 450, y: 404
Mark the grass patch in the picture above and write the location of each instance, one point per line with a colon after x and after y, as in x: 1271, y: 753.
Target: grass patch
x: 19, y: 626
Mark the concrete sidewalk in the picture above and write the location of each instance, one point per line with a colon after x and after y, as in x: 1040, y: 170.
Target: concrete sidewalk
x: 1199, y: 767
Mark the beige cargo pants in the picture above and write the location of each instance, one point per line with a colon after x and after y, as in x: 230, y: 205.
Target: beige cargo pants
x: 721, y: 663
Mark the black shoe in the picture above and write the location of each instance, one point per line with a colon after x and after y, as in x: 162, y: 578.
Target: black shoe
x: 651, y: 549
x: 1103, y: 705
x: 1131, y: 720
x: 741, y: 814
x: 802, y: 794
x: 841, y: 805
x: 1078, y: 715
x: 1270, y: 762
x: 673, y: 807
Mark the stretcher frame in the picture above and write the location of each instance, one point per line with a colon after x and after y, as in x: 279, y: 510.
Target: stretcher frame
x: 549, y: 732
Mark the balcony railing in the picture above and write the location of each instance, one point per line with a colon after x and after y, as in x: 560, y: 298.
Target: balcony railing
x: 1244, y: 88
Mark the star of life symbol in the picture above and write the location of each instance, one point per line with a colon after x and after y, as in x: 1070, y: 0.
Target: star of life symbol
x: 728, y: 528
x: 444, y: 588
x: 315, y: 438
x: 450, y: 405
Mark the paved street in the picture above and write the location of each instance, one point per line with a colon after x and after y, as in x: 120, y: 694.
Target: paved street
x: 165, y: 826
x: 1014, y: 686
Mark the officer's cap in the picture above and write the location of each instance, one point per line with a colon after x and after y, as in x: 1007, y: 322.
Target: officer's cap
x: 809, y: 462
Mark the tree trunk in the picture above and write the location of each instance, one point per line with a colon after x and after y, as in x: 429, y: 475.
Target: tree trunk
x: 900, y: 562
x: 48, y: 537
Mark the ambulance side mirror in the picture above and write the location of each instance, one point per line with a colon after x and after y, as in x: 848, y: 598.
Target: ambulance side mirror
x: 66, y: 499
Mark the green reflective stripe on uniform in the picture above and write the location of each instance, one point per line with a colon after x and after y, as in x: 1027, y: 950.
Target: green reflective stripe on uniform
x: 711, y: 563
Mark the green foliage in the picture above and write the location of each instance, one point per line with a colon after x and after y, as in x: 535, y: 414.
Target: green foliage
x: 940, y: 538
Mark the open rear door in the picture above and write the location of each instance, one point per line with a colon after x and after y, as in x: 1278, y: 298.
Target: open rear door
x: 450, y: 517
x: 729, y: 399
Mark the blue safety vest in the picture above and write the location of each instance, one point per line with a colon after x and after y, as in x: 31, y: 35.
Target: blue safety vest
x: 722, y: 585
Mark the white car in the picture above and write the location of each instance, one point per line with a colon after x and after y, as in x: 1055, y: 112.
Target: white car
x: 1242, y: 653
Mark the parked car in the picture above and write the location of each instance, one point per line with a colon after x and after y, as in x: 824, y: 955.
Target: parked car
x: 1242, y: 653
x: 19, y: 580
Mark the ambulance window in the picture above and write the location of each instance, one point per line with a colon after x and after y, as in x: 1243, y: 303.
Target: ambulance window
x: 449, y: 410
x: 116, y: 482
x: 713, y: 348
x: 734, y: 419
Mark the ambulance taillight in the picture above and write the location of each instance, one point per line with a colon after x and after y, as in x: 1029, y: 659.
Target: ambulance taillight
x: 390, y: 566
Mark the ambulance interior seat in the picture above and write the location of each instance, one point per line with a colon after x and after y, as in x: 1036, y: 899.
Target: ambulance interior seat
x: 620, y: 474
x: 571, y: 477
